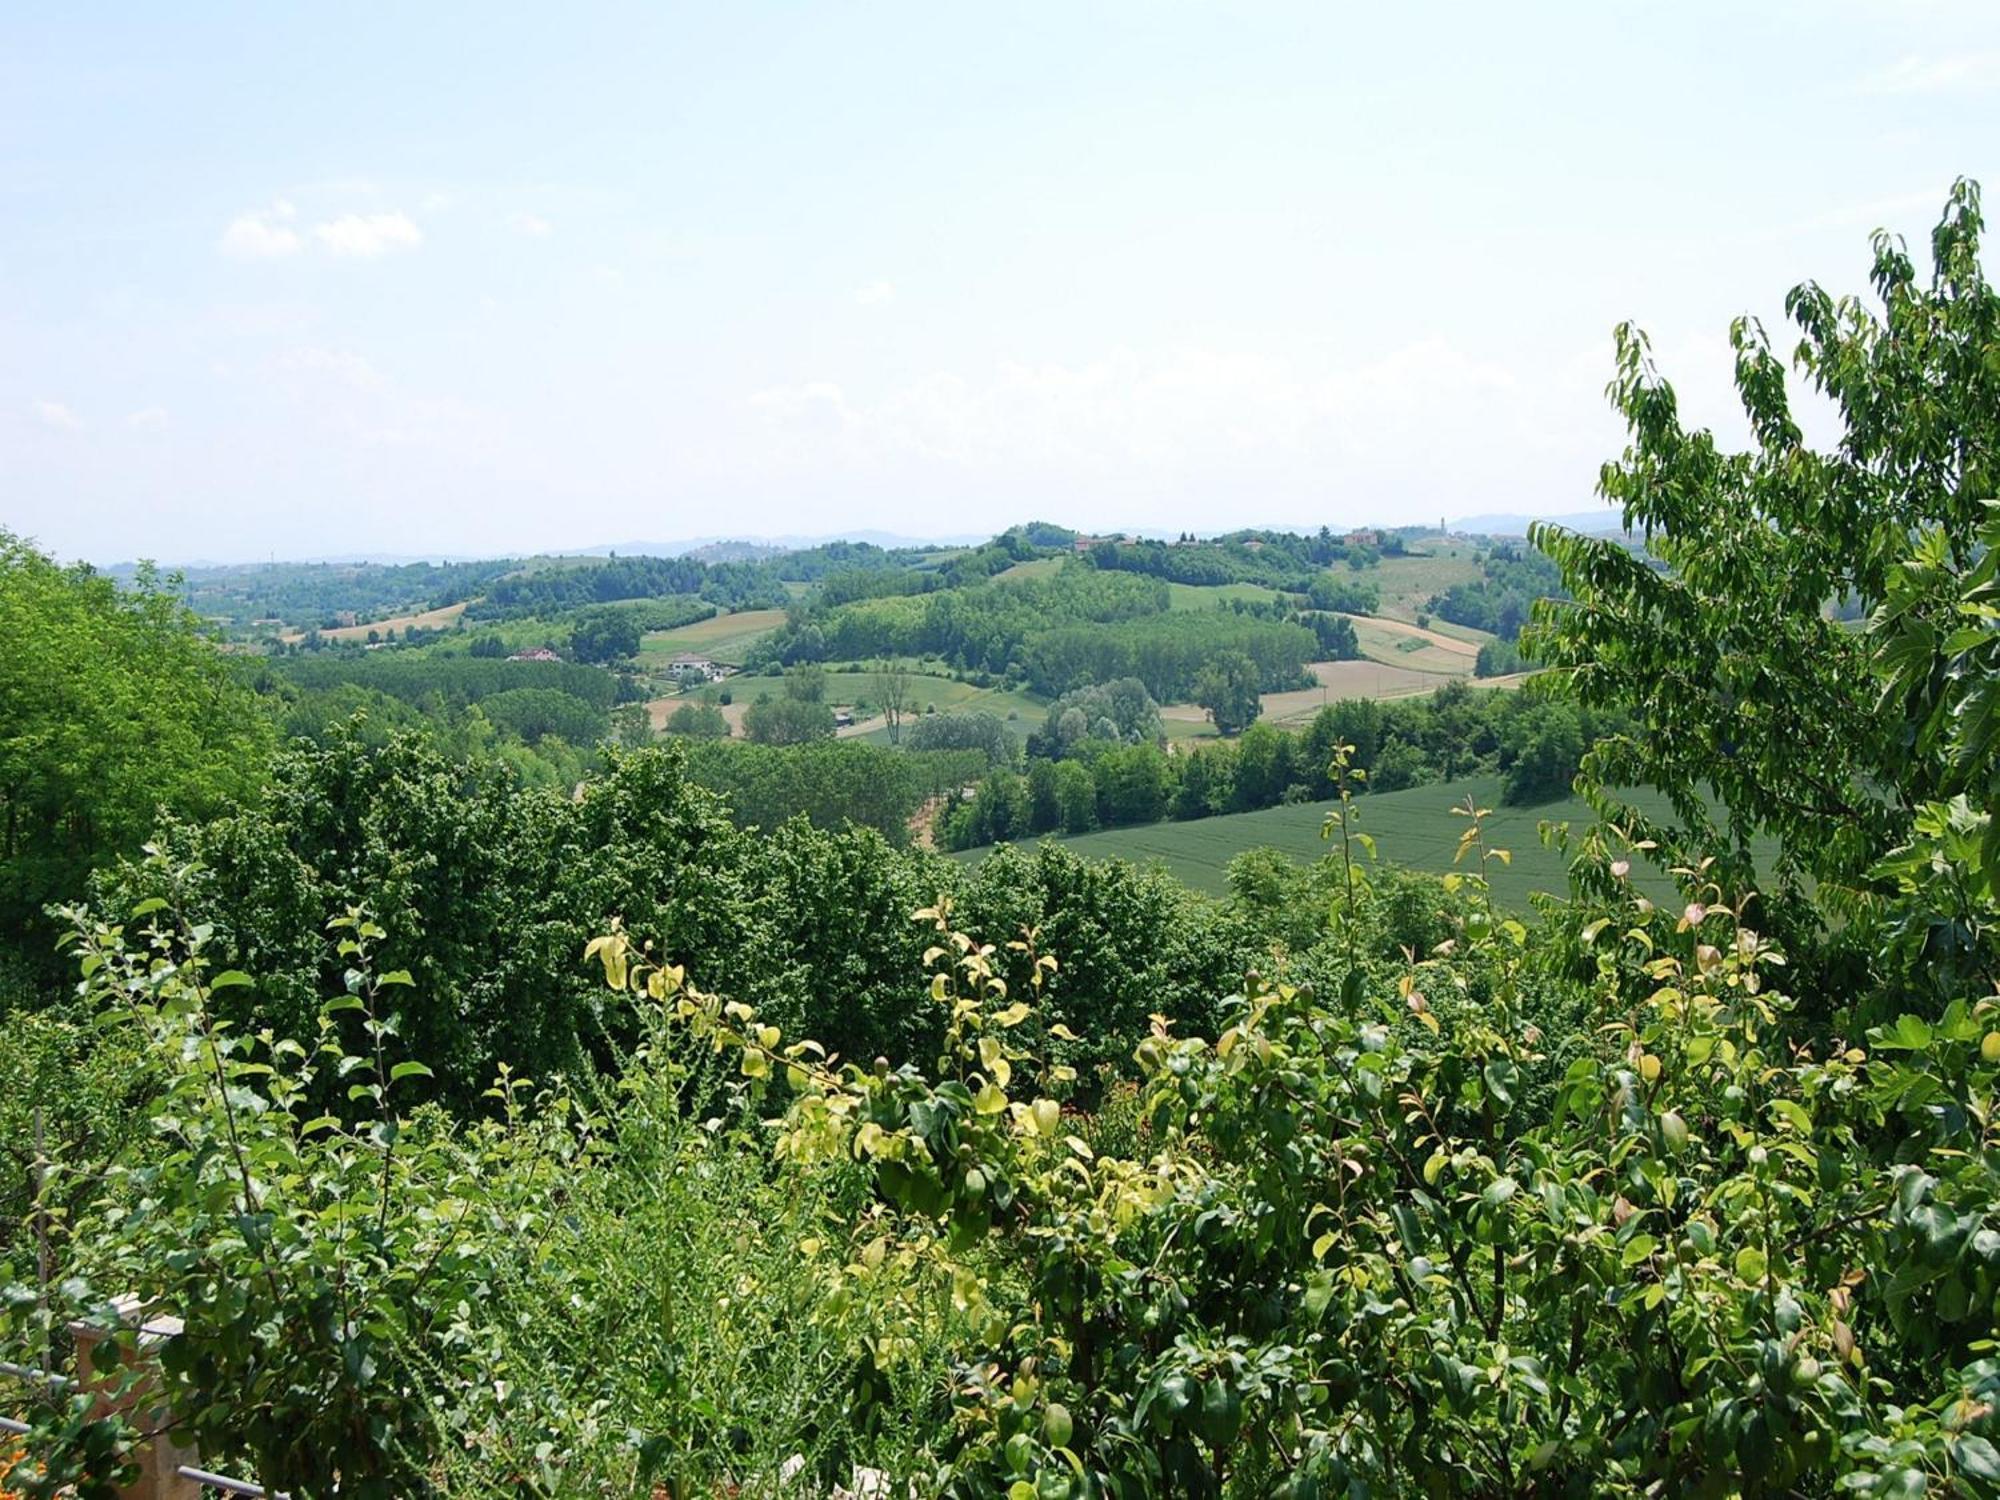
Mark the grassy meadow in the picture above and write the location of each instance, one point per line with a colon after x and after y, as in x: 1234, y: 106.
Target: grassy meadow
x: 1416, y: 828
x: 726, y: 637
x: 1407, y: 583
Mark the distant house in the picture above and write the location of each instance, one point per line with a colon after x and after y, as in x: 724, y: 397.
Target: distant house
x: 1366, y: 537
x: 688, y: 664
x: 537, y: 653
x: 843, y: 717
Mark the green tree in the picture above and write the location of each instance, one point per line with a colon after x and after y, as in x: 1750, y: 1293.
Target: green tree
x: 604, y: 635
x: 965, y: 729
x: 1132, y: 784
x: 1229, y: 689
x: 1550, y: 747
x: 1076, y: 796
x: 632, y: 725
x: 1044, y: 797
x: 892, y: 679
x: 787, y: 721
x: 806, y: 683
x: 1264, y: 766
x: 113, y: 705
x: 698, y: 721
x: 536, y: 713
x: 1760, y: 712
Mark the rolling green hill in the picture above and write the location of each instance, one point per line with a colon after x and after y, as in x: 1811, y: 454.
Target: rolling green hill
x: 1416, y: 828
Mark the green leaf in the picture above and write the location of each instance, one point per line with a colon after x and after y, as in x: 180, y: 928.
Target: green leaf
x: 1638, y: 1248
x: 404, y: 1070
x: 1977, y: 1457
x: 230, y: 979
x: 1502, y: 1078
x: 396, y: 976
x: 1909, y: 1034
x: 1792, y: 1113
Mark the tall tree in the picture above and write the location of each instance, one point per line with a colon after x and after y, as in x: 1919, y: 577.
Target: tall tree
x: 113, y: 704
x: 893, y: 679
x: 1228, y: 688
x: 1764, y: 711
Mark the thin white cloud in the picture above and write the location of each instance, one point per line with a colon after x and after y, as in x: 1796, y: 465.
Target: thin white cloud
x: 261, y: 234
x: 148, y: 419
x: 1132, y: 413
x: 1938, y: 75
x: 55, y: 415
x: 348, y: 369
x: 532, y: 225
x: 876, y: 293
x: 367, y: 236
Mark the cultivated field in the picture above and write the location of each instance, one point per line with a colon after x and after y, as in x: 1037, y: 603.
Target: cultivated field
x: 726, y: 638
x: 430, y: 619
x: 1397, y: 675
x: 1416, y: 828
x: 658, y: 710
x: 1398, y: 644
x: 1407, y: 583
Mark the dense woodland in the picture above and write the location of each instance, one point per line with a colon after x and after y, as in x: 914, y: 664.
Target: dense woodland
x: 507, y: 1104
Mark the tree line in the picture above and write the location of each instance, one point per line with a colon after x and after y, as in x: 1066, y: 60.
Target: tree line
x: 1089, y: 781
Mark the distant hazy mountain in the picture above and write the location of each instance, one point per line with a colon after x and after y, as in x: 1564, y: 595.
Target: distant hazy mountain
x: 1589, y: 522
x: 706, y: 548
x: 713, y: 548
x: 343, y: 560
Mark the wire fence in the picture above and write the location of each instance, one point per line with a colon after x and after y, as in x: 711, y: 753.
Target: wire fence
x: 59, y: 1383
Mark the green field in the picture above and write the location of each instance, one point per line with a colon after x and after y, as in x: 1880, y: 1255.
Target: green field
x: 1399, y: 645
x: 1415, y: 828
x: 1407, y: 583
x: 1039, y: 567
x: 726, y: 638
x: 1461, y: 632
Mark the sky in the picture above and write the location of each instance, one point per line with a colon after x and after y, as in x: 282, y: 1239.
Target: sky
x: 306, y: 280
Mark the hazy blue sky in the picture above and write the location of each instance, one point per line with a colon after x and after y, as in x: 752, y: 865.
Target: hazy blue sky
x: 304, y: 280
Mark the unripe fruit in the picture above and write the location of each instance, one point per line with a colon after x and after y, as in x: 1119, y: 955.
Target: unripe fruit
x: 1989, y: 1046
x: 1674, y: 1131
x: 1056, y: 1425
x: 975, y: 1184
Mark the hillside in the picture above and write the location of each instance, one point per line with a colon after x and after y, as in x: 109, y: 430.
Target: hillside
x: 1416, y: 828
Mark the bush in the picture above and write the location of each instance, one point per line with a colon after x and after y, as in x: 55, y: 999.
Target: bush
x: 698, y: 721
